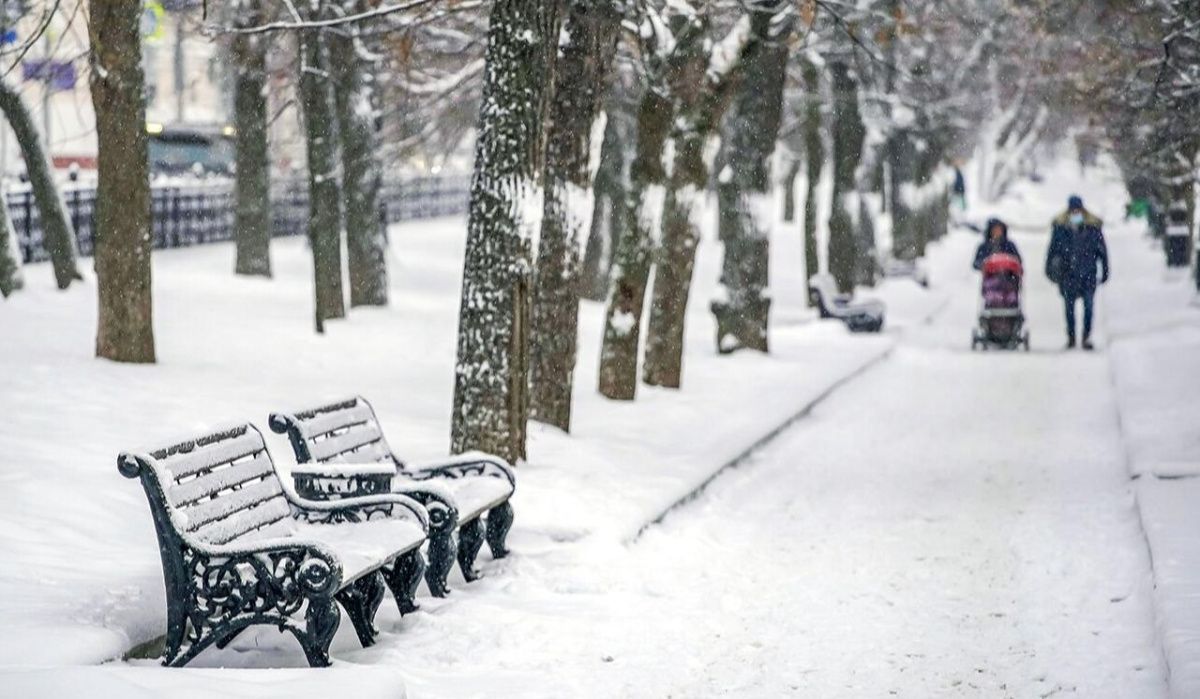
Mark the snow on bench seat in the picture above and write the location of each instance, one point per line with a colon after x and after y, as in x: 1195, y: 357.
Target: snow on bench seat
x: 859, y: 316
x: 363, y: 547
x: 475, y: 496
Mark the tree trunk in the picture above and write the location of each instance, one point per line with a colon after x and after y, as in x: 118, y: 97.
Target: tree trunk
x: 324, y: 192
x: 867, y: 180
x: 58, y: 235
x: 701, y: 99
x: 10, y: 257
x: 673, y: 272
x: 491, y: 388
x: 901, y: 175
x: 848, y: 134
x: 747, y: 208
x: 358, y: 109
x: 123, y: 234
x: 252, y: 186
x: 866, y: 268
x: 585, y: 57
x: 631, y: 266
x: 610, y: 217
x: 789, y: 189
x: 925, y: 166
x: 814, y: 161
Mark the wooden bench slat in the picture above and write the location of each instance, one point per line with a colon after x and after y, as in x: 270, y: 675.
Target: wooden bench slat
x: 335, y: 446
x: 249, y: 523
x: 204, y: 458
x: 324, y: 423
x: 282, y: 528
x: 231, y: 504
x: 222, y: 479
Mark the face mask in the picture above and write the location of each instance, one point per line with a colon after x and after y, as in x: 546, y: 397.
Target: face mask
x: 1076, y: 219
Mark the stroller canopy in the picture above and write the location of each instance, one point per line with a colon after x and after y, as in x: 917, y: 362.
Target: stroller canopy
x: 1001, y: 263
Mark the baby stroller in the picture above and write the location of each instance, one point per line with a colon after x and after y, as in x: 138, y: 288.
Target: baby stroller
x: 1001, y: 322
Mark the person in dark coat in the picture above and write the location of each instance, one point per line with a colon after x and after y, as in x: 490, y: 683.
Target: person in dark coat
x: 996, y: 243
x: 1077, y: 261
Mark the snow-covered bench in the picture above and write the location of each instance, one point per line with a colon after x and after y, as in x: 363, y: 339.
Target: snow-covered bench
x: 863, y: 316
x: 479, y: 485
x: 895, y: 267
x: 239, y: 549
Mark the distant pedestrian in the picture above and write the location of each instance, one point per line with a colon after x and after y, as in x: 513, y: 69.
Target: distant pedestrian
x: 996, y: 242
x: 960, y: 188
x: 1077, y: 256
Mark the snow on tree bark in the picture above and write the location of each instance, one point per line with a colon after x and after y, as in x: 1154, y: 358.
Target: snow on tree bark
x: 358, y: 108
x: 324, y: 191
x: 585, y: 56
x: 491, y: 388
x: 848, y: 134
x: 11, y: 278
x: 610, y: 217
x: 58, y: 235
x: 701, y: 82
x: 747, y: 207
x: 631, y: 264
x: 252, y: 185
x: 123, y: 235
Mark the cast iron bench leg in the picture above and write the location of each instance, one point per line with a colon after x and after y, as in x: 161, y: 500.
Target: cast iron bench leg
x: 470, y: 540
x: 322, y: 619
x: 441, y: 560
x: 403, y: 579
x: 361, y: 601
x: 499, y: 521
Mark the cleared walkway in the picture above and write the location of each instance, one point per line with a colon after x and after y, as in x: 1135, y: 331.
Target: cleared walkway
x: 953, y: 524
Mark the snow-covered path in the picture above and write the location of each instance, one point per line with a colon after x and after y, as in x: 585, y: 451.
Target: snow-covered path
x: 950, y: 524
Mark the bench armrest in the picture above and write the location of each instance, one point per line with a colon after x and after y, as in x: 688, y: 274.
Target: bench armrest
x: 469, y: 464
x: 436, y: 498
x: 359, y: 509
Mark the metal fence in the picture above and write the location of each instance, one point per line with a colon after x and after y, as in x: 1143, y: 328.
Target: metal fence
x: 201, y: 211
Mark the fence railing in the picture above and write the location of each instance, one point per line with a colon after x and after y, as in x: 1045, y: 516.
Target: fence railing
x: 188, y: 213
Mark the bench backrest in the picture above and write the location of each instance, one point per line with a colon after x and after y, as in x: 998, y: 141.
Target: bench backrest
x: 215, y: 488
x: 823, y: 288
x: 344, y: 431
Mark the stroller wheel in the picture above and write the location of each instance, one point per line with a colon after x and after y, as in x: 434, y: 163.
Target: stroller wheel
x: 1025, y: 340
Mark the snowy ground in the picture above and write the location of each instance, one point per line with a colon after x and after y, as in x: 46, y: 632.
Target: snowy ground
x: 944, y: 524
x: 1154, y: 321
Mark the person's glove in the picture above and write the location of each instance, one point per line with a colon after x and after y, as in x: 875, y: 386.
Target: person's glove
x: 1104, y: 277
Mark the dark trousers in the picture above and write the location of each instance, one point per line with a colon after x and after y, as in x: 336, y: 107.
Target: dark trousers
x: 1071, y: 297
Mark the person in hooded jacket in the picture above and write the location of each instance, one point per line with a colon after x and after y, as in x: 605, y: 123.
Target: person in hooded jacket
x: 1077, y: 258
x: 996, y: 242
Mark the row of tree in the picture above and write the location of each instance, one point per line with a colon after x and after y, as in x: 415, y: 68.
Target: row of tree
x: 600, y: 128
x: 644, y: 108
x: 1145, y: 96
